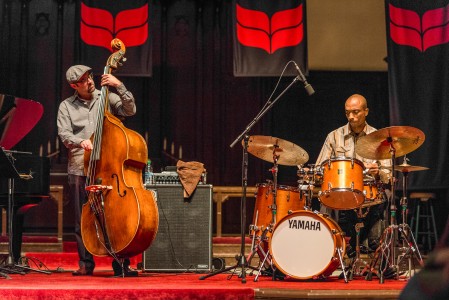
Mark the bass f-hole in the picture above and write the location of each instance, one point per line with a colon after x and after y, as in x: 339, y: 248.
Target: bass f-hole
x: 118, y: 186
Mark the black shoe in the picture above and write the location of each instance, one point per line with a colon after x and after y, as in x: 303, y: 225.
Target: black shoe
x: 350, y: 252
x: 128, y: 273
x: 373, y: 244
x: 118, y: 270
x: 83, y: 272
x: 389, y: 273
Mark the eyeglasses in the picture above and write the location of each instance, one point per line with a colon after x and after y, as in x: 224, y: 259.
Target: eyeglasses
x: 354, y: 112
x: 85, y: 78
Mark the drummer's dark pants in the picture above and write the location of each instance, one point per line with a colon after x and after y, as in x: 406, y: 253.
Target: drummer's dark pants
x: 347, y: 219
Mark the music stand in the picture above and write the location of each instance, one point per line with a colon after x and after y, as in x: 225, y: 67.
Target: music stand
x: 7, y: 170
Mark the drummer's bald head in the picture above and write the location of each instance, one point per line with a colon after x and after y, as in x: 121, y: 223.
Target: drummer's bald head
x: 357, y: 98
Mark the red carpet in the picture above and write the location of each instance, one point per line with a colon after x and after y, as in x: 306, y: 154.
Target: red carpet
x: 62, y: 285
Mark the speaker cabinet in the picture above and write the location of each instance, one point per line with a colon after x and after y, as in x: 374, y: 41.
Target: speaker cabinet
x: 184, y: 238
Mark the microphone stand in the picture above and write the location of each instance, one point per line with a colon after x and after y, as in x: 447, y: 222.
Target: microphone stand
x: 242, y: 262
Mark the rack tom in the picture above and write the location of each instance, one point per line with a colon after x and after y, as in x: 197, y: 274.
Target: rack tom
x: 342, y: 186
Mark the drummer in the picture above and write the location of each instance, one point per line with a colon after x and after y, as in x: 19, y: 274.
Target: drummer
x: 341, y: 143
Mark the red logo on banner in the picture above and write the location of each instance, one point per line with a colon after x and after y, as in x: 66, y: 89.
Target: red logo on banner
x: 98, y: 26
x: 255, y: 29
x: 406, y: 27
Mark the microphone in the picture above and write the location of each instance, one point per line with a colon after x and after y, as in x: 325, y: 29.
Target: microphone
x: 309, y: 89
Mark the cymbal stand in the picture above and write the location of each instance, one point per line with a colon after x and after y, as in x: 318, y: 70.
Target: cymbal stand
x: 387, y: 248
x: 306, y: 185
x: 273, y: 207
x: 408, y: 240
x: 388, y: 253
x: 274, y: 171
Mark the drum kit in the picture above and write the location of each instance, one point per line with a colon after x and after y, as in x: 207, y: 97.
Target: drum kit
x: 288, y: 236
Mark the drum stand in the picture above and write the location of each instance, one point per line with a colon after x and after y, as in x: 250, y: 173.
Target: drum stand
x: 264, y: 257
x: 387, y: 248
x: 359, y: 267
x: 257, y: 248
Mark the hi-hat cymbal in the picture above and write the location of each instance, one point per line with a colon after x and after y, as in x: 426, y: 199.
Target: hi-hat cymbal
x: 288, y: 153
x: 405, y: 168
x: 377, y: 145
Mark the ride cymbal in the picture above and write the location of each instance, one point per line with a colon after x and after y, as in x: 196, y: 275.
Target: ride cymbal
x: 378, y: 144
x: 265, y: 147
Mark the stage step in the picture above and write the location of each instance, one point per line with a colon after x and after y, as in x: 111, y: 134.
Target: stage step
x: 230, y: 252
x: 63, y: 255
x: 34, y: 244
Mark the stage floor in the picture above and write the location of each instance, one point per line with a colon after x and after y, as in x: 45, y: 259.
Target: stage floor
x: 62, y: 285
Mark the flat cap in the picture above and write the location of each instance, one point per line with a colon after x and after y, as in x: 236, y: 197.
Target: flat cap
x: 74, y: 73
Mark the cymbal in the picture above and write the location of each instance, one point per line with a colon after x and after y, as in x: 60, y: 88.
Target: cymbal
x: 289, y: 153
x: 405, y: 168
x: 376, y: 145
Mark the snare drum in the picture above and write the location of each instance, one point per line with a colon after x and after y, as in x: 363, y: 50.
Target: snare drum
x: 342, y: 186
x: 287, y: 200
x: 304, y: 245
x: 370, y: 188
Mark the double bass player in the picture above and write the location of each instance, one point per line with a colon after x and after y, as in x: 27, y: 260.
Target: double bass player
x: 76, y: 123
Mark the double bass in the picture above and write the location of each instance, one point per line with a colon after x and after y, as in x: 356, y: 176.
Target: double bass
x: 120, y: 218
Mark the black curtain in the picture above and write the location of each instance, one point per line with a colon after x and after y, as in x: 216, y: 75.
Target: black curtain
x: 192, y: 103
x: 418, y: 66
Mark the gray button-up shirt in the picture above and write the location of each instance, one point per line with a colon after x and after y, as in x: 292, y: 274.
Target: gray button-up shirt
x: 77, y: 120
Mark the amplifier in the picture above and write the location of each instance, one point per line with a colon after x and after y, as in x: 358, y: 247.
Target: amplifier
x: 172, y: 177
x: 184, y: 238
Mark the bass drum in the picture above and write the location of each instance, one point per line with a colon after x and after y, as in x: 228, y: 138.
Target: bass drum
x: 304, y: 245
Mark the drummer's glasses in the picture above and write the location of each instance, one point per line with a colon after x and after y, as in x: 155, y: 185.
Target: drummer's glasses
x: 354, y: 112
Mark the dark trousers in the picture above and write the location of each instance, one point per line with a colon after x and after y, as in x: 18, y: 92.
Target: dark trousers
x: 347, y: 219
x: 78, y: 195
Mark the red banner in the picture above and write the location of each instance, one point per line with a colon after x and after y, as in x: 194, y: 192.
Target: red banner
x: 267, y: 35
x: 129, y: 21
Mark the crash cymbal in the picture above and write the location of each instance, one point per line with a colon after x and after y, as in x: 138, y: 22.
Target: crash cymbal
x: 404, y: 168
x: 289, y: 153
x: 376, y: 145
